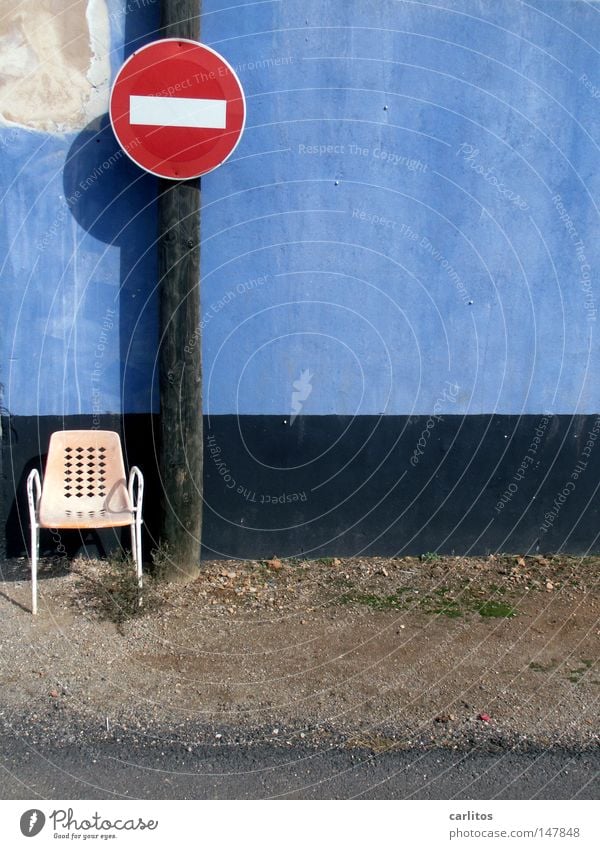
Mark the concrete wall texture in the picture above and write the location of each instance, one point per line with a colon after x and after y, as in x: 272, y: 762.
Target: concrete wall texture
x: 407, y: 230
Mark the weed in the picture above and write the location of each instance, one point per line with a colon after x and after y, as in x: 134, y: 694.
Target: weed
x: 539, y: 667
x: 376, y: 742
x: 294, y: 561
x: 451, y: 609
x: 575, y: 676
x: 497, y: 610
x: 341, y: 581
x: 376, y: 602
x: 441, y: 602
x: 161, y: 560
x: 114, y: 591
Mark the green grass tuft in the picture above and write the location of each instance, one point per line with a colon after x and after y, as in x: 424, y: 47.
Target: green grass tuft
x: 497, y: 610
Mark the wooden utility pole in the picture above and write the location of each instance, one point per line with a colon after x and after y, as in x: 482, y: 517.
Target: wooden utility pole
x: 180, y: 346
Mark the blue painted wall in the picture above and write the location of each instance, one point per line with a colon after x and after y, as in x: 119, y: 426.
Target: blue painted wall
x: 77, y: 270
x: 411, y: 216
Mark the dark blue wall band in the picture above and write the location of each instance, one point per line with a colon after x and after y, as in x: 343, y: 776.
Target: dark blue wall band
x: 331, y: 485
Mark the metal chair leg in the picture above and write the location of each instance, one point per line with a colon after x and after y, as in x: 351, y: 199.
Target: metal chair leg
x: 35, y: 544
x: 136, y: 495
x: 136, y: 550
x: 138, y: 547
x: 34, y: 491
x: 133, y: 544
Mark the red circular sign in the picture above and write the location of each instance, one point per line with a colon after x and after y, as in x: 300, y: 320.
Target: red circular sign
x: 177, y: 108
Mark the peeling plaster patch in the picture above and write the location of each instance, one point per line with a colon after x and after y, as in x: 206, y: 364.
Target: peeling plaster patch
x: 54, y: 63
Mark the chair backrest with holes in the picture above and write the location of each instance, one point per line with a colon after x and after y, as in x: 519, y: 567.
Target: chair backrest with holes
x: 84, y: 480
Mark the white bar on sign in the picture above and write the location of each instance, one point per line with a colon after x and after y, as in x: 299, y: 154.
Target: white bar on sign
x: 178, y: 112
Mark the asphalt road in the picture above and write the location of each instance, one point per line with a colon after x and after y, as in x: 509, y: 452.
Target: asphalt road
x: 152, y: 769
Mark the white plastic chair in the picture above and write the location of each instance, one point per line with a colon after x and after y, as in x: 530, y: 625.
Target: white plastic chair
x: 84, y: 487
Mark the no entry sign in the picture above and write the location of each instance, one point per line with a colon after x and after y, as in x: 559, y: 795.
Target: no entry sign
x: 177, y: 108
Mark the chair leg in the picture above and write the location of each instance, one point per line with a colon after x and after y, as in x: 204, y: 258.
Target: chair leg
x: 35, y: 542
x: 136, y: 550
x: 133, y: 545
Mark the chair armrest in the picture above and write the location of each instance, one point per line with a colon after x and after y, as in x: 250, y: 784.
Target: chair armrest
x: 136, y: 488
x: 34, y: 492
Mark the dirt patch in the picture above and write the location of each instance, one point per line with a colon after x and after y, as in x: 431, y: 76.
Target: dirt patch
x: 441, y: 650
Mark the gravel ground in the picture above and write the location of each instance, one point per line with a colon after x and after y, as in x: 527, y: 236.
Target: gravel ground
x: 371, y: 654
